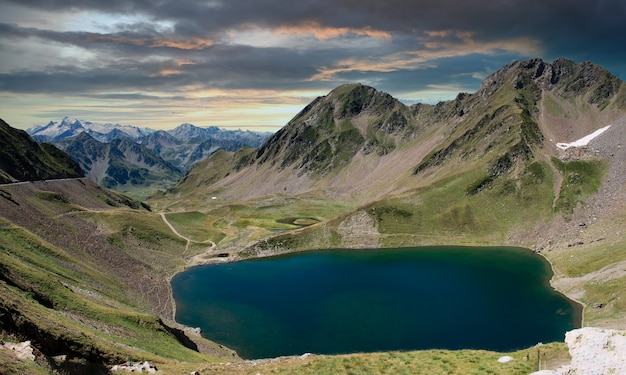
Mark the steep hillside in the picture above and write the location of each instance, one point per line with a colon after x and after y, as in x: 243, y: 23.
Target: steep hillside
x: 362, y: 144
x: 22, y: 159
x: 84, y: 274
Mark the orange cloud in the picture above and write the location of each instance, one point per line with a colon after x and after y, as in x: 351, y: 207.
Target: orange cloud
x: 438, y: 44
x: 186, y: 44
x: 463, y: 42
x: 175, y: 68
x: 325, y: 32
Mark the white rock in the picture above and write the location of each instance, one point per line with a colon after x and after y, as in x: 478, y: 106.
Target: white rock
x: 21, y: 350
x: 505, y: 359
x: 594, y: 351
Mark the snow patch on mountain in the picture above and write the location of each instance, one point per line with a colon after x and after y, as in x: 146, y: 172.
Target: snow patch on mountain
x: 584, y: 141
x: 70, y: 127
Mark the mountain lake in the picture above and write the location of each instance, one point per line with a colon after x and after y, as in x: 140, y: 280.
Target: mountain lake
x: 345, y: 301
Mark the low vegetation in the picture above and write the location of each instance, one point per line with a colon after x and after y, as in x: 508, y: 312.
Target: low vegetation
x: 581, y: 178
x: 420, y: 362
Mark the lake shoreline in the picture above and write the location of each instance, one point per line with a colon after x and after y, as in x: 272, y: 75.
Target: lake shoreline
x: 211, y: 257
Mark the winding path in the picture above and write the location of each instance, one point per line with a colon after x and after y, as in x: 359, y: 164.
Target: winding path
x: 189, y: 240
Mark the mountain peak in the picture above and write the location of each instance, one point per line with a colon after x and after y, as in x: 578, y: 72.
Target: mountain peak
x: 187, y: 131
x: 356, y: 130
x: 588, y: 80
x: 69, y: 127
x: 352, y: 99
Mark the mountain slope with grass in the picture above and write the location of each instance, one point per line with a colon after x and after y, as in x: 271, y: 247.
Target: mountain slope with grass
x: 360, y: 144
x: 84, y: 274
x: 22, y: 159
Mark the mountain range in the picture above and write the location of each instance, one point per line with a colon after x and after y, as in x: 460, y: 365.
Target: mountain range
x: 534, y: 158
x: 139, y: 160
x: 69, y: 127
x: 363, y: 144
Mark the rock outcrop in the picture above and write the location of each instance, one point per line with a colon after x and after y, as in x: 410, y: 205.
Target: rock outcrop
x: 593, y: 351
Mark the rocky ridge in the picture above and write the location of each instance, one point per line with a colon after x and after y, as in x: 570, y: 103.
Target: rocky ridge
x: 358, y: 142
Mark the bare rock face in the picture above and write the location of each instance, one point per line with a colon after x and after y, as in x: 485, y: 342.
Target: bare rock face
x: 593, y: 351
x: 21, y: 350
x: 359, y: 230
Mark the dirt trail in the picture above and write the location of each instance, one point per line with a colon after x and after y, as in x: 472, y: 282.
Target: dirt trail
x: 189, y: 240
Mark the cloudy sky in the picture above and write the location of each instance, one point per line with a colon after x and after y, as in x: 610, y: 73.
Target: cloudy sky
x: 256, y: 63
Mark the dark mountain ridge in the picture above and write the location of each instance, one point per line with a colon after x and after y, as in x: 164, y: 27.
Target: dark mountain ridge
x: 22, y: 159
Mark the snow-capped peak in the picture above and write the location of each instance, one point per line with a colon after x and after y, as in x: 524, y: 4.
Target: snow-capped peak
x: 69, y: 127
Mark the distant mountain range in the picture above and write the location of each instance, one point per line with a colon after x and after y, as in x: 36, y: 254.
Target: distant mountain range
x: 70, y: 127
x: 133, y: 159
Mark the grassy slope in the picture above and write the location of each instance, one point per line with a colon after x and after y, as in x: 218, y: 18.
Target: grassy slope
x: 420, y: 362
x: 590, y: 267
x: 92, y: 299
x: 92, y: 315
x: 24, y: 159
x: 417, y: 218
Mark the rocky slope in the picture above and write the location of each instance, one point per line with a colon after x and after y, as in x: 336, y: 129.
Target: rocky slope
x: 120, y: 164
x: 360, y: 143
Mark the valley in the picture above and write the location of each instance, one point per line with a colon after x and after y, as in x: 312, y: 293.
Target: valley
x: 86, y: 270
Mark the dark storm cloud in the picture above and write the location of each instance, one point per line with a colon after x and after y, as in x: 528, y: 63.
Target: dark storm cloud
x: 489, y: 17
x: 131, y: 68
x: 174, y: 47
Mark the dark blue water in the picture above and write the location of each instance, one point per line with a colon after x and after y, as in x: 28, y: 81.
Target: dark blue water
x: 342, y: 301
